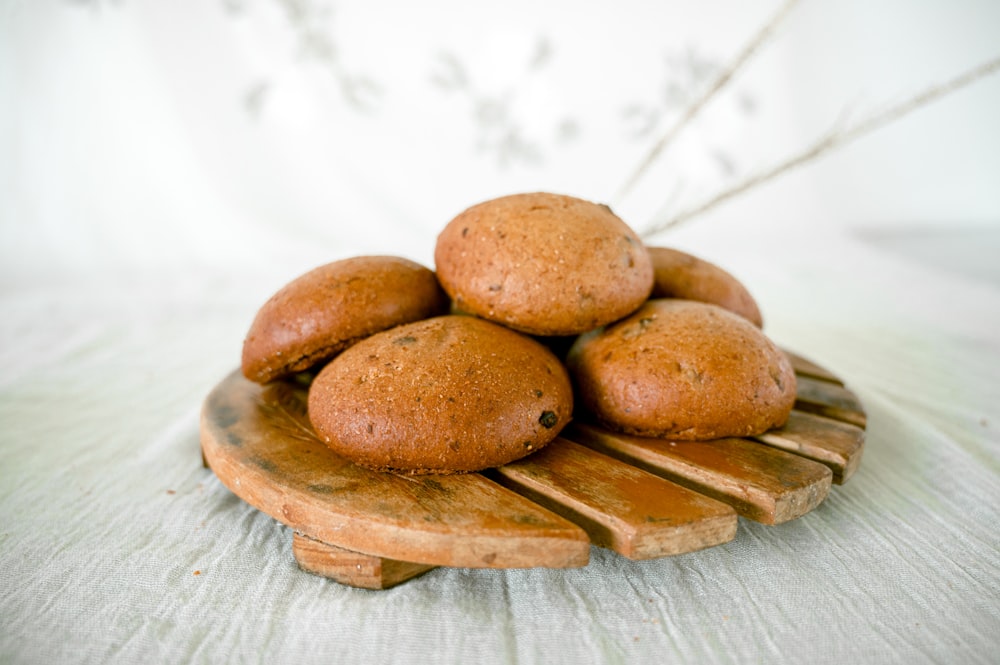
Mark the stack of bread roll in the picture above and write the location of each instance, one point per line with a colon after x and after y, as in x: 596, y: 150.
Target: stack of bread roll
x: 539, y: 304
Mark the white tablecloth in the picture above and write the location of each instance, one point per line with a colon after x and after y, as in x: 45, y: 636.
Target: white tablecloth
x: 127, y: 282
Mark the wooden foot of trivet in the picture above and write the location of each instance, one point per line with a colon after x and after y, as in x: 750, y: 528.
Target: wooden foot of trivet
x: 642, y: 498
x: 352, y: 568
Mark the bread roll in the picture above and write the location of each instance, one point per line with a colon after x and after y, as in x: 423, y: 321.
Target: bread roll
x: 451, y: 394
x: 683, y: 370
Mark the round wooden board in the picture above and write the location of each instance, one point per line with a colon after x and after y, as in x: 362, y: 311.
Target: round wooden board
x: 643, y: 498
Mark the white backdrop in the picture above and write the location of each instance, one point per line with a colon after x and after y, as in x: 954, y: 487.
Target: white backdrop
x: 258, y: 130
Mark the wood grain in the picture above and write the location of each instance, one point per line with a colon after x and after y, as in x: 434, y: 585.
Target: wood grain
x: 642, y: 498
x: 258, y: 442
x: 805, y: 367
x: 830, y: 400
x: 351, y: 568
x: 635, y: 513
x: 763, y: 484
x: 836, y: 444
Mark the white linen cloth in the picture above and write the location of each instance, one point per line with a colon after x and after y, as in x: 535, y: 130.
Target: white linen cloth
x: 139, y: 238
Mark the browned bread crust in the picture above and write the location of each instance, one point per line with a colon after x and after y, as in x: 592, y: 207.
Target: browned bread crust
x: 683, y: 370
x: 543, y: 264
x: 450, y: 394
x: 681, y: 275
x: 327, y: 309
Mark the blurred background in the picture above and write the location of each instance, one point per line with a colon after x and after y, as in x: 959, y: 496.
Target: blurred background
x: 254, y: 139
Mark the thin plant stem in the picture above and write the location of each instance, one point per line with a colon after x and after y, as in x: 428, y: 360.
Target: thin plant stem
x: 695, y: 107
x: 831, y: 141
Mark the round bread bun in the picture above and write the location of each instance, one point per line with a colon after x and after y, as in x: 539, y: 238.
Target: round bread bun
x: 451, y: 394
x: 543, y: 264
x: 681, y: 275
x: 683, y: 370
x: 327, y: 309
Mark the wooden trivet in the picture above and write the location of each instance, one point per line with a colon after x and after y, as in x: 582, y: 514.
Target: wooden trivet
x: 642, y: 498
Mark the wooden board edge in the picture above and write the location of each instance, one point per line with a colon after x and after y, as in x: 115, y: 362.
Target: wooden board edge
x: 831, y: 401
x: 803, y: 366
x: 566, y: 549
x: 843, y: 463
x: 751, y: 502
x: 635, y: 543
x: 566, y: 546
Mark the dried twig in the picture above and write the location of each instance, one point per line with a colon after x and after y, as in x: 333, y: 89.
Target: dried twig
x: 718, y: 84
x: 496, y: 114
x: 832, y: 140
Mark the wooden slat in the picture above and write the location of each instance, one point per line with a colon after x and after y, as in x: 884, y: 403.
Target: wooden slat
x: 635, y: 513
x: 805, y: 367
x: 762, y: 483
x: 836, y: 444
x: 373, y: 530
x: 257, y: 440
x: 829, y: 400
x: 352, y: 568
